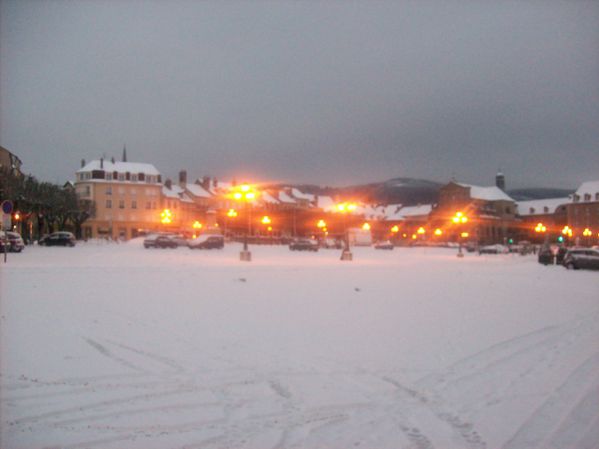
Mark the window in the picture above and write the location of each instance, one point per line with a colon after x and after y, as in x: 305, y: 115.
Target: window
x: 546, y: 209
x: 134, y: 204
x: 121, y: 177
x: 121, y: 204
x: 532, y: 210
x: 108, y: 176
x: 108, y: 204
x: 576, y: 198
x: 134, y: 178
x: 109, y: 190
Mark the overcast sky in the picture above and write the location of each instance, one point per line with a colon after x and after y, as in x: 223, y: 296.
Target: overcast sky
x: 326, y: 92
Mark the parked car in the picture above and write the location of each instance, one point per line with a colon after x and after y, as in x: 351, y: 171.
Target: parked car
x: 304, y: 245
x: 207, y: 241
x: 582, y: 258
x: 160, y: 241
x: 60, y: 238
x: 386, y: 244
x: 546, y: 256
x: 330, y: 243
x: 12, y: 240
x: 493, y: 249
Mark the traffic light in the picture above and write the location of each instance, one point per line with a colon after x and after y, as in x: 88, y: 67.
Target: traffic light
x: 560, y: 239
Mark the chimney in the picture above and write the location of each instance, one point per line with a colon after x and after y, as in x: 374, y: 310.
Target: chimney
x: 125, y: 153
x: 500, y: 180
x: 82, y: 163
x: 102, y: 162
x: 168, y: 184
x: 205, y: 182
x: 182, y: 178
x: 112, y: 159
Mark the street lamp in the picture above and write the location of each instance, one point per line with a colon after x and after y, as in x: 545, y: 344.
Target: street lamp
x: 344, y: 209
x: 460, y: 218
x: 246, y: 194
x: 166, y: 217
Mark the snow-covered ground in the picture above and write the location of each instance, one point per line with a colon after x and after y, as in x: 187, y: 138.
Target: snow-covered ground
x: 114, y: 346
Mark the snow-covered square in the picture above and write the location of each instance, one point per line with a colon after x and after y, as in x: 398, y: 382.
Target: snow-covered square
x: 116, y: 346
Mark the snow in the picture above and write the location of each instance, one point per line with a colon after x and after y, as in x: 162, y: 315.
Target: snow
x: 296, y: 193
x: 285, y: 198
x: 120, y: 167
x: 198, y: 191
x: 537, y: 207
x: 114, y: 346
x: 492, y: 193
x: 588, y: 188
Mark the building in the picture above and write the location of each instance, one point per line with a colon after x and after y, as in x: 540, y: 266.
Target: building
x: 127, y: 198
x: 488, y: 214
x: 542, y: 219
x: 583, y: 213
x: 10, y: 163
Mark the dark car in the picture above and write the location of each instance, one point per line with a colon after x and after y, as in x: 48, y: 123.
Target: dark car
x: 12, y: 241
x: 207, y: 241
x: 160, y: 241
x: 582, y: 258
x: 60, y: 238
x: 546, y: 256
x: 304, y: 245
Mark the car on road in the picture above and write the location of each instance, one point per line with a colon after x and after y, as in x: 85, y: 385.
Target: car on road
x: 546, y: 256
x: 12, y: 241
x: 304, y: 245
x: 493, y: 249
x: 384, y: 245
x: 60, y: 238
x: 578, y: 258
x: 331, y: 243
x: 207, y: 241
x: 160, y: 241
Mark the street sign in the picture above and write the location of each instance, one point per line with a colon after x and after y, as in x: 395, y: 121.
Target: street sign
x: 6, y: 221
x: 7, y: 206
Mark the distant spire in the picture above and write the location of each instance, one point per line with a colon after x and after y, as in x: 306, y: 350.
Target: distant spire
x: 125, y: 153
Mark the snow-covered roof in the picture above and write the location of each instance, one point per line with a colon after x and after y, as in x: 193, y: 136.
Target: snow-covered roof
x: 492, y: 193
x: 301, y: 195
x: 198, y: 191
x: 416, y: 211
x: 176, y: 192
x: 588, y: 188
x: 285, y: 198
x: 540, y: 207
x: 268, y: 198
x: 326, y: 203
x: 120, y: 167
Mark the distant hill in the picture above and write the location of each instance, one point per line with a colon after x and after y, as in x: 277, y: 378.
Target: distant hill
x: 537, y: 193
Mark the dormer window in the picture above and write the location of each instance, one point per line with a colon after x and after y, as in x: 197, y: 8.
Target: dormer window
x: 576, y: 198
x: 141, y: 177
x: 546, y: 209
x: 587, y: 197
x: 532, y: 210
x: 597, y: 196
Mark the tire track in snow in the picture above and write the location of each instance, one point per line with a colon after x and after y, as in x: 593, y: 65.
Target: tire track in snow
x: 534, y: 431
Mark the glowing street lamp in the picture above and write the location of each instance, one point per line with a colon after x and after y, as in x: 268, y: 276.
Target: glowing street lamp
x: 366, y: 226
x: 540, y: 228
x: 266, y: 220
x: 395, y: 229
x: 321, y: 224
x: 421, y: 231
x: 246, y: 194
x: 567, y: 231
x: 438, y: 232
x: 460, y: 218
x: 166, y: 216
x: 232, y: 213
x: 345, y: 208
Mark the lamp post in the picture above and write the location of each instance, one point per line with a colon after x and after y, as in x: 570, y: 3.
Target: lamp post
x: 459, y: 218
x: 246, y: 194
x: 344, y: 209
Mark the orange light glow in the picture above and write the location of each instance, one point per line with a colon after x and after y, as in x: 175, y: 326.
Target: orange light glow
x: 197, y: 225
x: 166, y: 216
x: 438, y: 232
x: 414, y: 236
x: 366, y: 226
x: 459, y: 217
x: 17, y: 216
x: 464, y: 235
x: 346, y: 207
x: 395, y: 229
x: 269, y: 228
x: 587, y: 232
x: 567, y: 231
x: 232, y: 213
x: 540, y: 228
x: 266, y: 220
x: 421, y: 231
x: 321, y: 224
